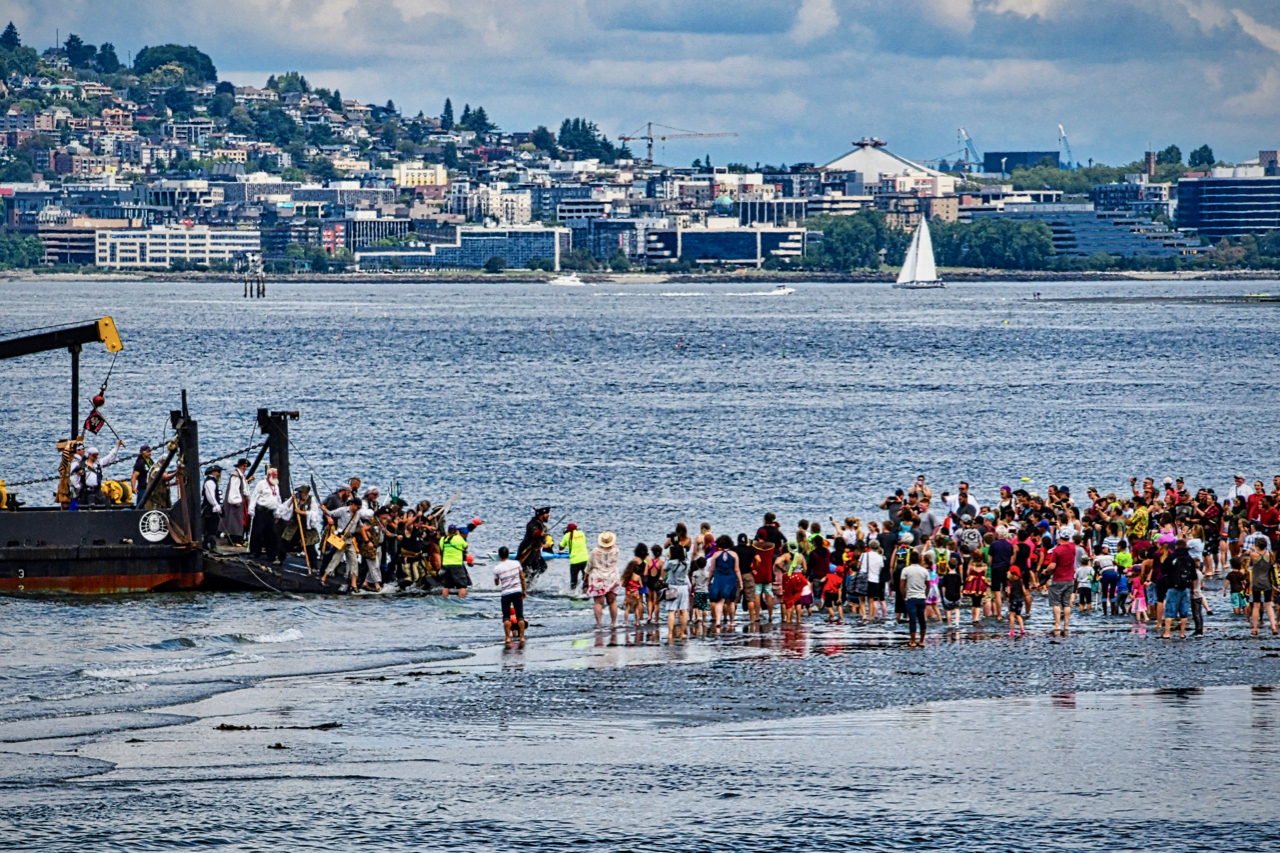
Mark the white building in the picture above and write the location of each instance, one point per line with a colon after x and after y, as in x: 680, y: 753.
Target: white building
x: 160, y: 245
x: 877, y: 164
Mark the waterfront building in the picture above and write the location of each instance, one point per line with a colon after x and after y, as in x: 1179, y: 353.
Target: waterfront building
x: 1229, y: 202
x: 1080, y: 231
x: 473, y: 248
x: 724, y: 241
x: 160, y: 245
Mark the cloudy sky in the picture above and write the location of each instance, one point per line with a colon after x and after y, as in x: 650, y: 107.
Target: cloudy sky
x: 797, y: 79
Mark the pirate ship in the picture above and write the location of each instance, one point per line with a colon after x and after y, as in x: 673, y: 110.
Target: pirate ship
x: 112, y: 548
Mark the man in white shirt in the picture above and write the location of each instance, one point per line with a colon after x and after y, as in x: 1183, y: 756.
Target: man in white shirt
x: 1238, y: 490
x: 508, y: 576
x: 233, y: 505
x: 914, y: 589
x: 873, y: 562
x: 86, y: 475
x: 263, y: 504
x: 211, y: 506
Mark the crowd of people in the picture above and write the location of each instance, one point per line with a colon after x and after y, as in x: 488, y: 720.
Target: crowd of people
x: 1143, y: 555
x: 350, y: 534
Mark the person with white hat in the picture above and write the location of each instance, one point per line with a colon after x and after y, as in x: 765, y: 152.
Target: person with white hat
x: 603, y: 580
x: 86, y: 479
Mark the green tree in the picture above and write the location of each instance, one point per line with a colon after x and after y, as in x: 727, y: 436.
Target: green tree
x: 446, y: 115
x: 496, y: 264
x: 239, y: 121
x: 221, y: 105
x: 543, y: 140
x: 166, y: 76
x: 850, y: 242
x: 450, y: 156
x: 1171, y: 156
x: 993, y: 244
x: 480, y: 122
x: 178, y: 99
x: 620, y: 262
x: 198, y: 65
x: 465, y: 121
x: 16, y: 169
x: 79, y: 54
x: 583, y: 137
x: 1201, y: 158
x: 24, y: 60
x: 275, y: 126
x: 290, y: 81
x: 20, y: 252
x: 10, y: 40
x: 322, y: 168
x: 107, y: 61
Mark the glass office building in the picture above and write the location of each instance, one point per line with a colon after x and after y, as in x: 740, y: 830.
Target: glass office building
x: 473, y: 248
x: 1229, y: 206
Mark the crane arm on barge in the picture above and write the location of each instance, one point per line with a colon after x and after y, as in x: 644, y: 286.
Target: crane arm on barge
x: 72, y: 339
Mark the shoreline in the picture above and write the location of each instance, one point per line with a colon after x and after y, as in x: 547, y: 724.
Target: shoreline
x: 750, y: 276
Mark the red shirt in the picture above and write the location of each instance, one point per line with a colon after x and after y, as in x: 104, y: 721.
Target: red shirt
x: 835, y: 578
x: 1063, y: 558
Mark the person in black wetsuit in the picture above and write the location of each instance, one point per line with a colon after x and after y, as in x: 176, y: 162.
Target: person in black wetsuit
x: 530, y: 553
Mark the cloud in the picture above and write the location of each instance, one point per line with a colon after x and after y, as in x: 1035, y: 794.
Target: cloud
x: 1268, y: 37
x: 815, y: 19
x: 797, y: 79
x: 681, y: 16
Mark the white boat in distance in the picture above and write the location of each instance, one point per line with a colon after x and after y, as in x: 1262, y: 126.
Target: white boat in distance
x: 918, y: 269
x: 781, y: 290
x: 570, y: 280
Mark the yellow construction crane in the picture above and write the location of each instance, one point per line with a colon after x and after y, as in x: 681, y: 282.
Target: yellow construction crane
x: 648, y: 136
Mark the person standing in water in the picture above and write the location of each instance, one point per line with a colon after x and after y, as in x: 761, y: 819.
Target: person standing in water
x: 508, y: 576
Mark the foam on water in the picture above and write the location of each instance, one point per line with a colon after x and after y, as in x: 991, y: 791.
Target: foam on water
x: 138, y: 670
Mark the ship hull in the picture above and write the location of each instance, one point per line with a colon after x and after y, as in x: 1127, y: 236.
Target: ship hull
x: 100, y: 552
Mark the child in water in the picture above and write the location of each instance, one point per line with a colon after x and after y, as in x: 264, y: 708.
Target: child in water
x: 1017, y: 599
x: 1137, y: 596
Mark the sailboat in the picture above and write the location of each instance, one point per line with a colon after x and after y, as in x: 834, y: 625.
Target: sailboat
x: 918, y: 270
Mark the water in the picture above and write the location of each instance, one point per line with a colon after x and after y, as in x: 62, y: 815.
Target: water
x: 634, y: 407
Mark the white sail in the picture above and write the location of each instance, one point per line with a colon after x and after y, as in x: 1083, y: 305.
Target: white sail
x: 908, y: 273
x: 925, y: 269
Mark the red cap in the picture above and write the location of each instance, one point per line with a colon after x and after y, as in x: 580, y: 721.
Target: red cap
x: 476, y: 522
x: 571, y: 527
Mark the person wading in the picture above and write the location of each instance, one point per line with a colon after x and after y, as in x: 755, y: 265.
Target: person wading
x: 575, y: 542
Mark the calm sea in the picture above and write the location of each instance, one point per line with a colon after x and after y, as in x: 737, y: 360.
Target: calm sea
x: 631, y: 408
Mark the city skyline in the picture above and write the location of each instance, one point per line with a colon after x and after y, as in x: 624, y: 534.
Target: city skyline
x: 796, y: 79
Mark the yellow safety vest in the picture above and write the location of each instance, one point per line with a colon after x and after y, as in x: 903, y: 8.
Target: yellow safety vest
x: 452, y: 550
x: 576, y: 542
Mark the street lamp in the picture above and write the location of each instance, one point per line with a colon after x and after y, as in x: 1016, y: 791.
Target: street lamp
x: 1002, y: 159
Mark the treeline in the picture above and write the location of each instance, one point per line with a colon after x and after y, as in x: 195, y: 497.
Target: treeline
x: 865, y: 240
x: 18, y: 252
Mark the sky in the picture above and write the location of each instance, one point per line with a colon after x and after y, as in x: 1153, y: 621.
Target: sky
x: 797, y: 80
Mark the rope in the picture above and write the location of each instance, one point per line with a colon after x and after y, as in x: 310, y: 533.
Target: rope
x: 242, y: 451
x: 314, y: 473
x: 55, y: 477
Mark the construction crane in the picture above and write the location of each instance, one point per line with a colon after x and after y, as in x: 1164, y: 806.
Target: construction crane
x: 72, y: 339
x: 966, y: 142
x: 649, y: 137
x: 1064, y: 144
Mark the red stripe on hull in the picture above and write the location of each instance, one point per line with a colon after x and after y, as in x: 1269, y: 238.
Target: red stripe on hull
x: 103, y: 584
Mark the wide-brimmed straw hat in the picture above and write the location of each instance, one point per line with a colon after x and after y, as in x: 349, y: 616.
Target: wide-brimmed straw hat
x: 607, y: 539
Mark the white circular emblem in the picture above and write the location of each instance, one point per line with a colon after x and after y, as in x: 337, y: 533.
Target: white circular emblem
x: 154, y: 526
